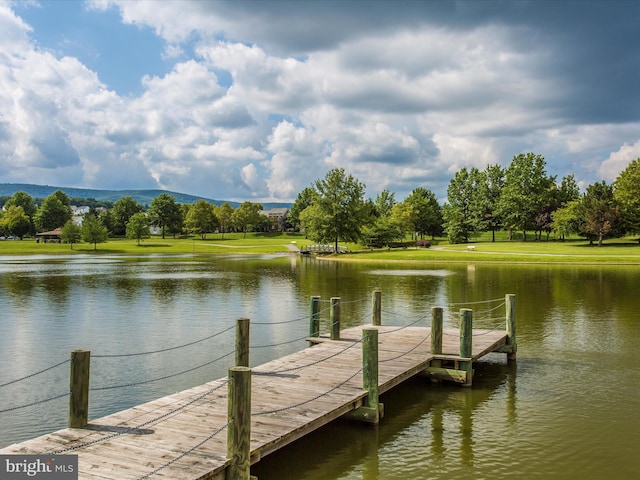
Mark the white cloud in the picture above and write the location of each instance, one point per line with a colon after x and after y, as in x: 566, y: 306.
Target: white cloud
x: 619, y: 160
x: 251, y: 109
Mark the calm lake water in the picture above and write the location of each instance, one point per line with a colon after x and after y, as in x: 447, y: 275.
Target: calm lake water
x: 569, y: 408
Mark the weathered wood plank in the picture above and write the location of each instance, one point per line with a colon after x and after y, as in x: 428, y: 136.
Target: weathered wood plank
x: 291, y: 397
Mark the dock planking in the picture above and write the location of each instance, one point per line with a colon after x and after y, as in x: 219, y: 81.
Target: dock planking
x: 183, y: 436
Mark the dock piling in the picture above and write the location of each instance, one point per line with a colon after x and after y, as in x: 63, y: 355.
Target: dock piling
x: 314, y: 317
x: 79, y: 388
x: 242, y: 342
x: 466, y: 342
x: 510, y: 301
x: 334, y: 318
x: 372, y: 410
x: 376, y: 308
x: 436, y: 338
x: 436, y: 330
x: 239, y: 428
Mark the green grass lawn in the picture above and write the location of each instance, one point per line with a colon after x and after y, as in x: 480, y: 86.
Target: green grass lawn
x: 624, y: 251
x: 214, y: 244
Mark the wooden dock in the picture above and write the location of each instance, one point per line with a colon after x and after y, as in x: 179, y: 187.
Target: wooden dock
x: 184, y: 436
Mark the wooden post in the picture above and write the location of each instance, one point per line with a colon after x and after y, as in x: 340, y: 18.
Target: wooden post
x: 510, y: 301
x: 376, y: 308
x: 370, y: 369
x: 334, y: 318
x: 314, y: 318
x: 242, y: 342
x: 436, y: 340
x: 466, y: 342
x: 372, y: 410
x: 239, y: 429
x: 79, y: 388
x: 436, y: 330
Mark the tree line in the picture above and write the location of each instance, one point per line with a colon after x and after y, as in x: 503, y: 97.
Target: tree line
x: 521, y: 198
x: 22, y: 217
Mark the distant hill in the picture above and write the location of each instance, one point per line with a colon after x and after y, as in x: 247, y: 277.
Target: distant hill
x: 144, y: 197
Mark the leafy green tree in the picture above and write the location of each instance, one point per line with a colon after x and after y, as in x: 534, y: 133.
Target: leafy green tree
x: 63, y: 197
x: 526, y: 191
x: 567, y: 220
x: 303, y: 200
x: 123, y: 210
x: 107, y: 219
x: 93, y: 231
x: 382, y: 232
x: 568, y: 191
x: 53, y: 213
x: 338, y: 210
x: 384, y: 202
x: 403, y: 214
x: 71, y: 233
x: 626, y: 190
x: 138, y: 227
x: 165, y: 213
x: 247, y: 215
x: 15, y: 221
x: 426, y: 212
x: 24, y: 200
x: 461, y: 215
x: 201, y: 218
x: 224, y: 213
x: 487, y: 200
x: 456, y: 225
x: 600, y: 212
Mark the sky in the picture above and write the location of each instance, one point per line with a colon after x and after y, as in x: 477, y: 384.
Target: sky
x: 256, y: 100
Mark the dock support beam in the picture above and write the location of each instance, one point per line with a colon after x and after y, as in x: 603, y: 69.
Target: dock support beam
x: 334, y: 318
x: 436, y: 338
x: 436, y: 330
x: 242, y: 342
x: 512, y: 345
x: 376, y: 308
x: 314, y: 317
x: 466, y: 343
x: 239, y: 428
x: 79, y: 388
x: 372, y: 410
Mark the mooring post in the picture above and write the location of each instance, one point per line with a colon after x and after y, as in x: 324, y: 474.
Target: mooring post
x: 314, y: 317
x: 242, y: 342
x: 370, y: 369
x: 334, y: 318
x: 79, y: 388
x: 436, y: 338
x: 436, y: 330
x: 372, y: 410
x: 239, y: 428
x: 466, y: 342
x: 376, y: 308
x: 510, y: 301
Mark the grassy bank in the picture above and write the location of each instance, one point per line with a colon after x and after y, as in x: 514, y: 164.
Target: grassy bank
x: 254, y: 243
x: 615, y: 252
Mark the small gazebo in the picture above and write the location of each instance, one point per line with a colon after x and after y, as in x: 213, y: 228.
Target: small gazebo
x: 54, y: 236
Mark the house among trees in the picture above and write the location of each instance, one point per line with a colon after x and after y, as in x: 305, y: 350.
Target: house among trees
x: 277, y: 217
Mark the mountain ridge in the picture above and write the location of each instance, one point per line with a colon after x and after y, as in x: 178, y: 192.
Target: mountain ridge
x: 142, y: 196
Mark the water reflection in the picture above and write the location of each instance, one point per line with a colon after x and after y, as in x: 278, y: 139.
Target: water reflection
x: 436, y: 420
x: 573, y: 399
